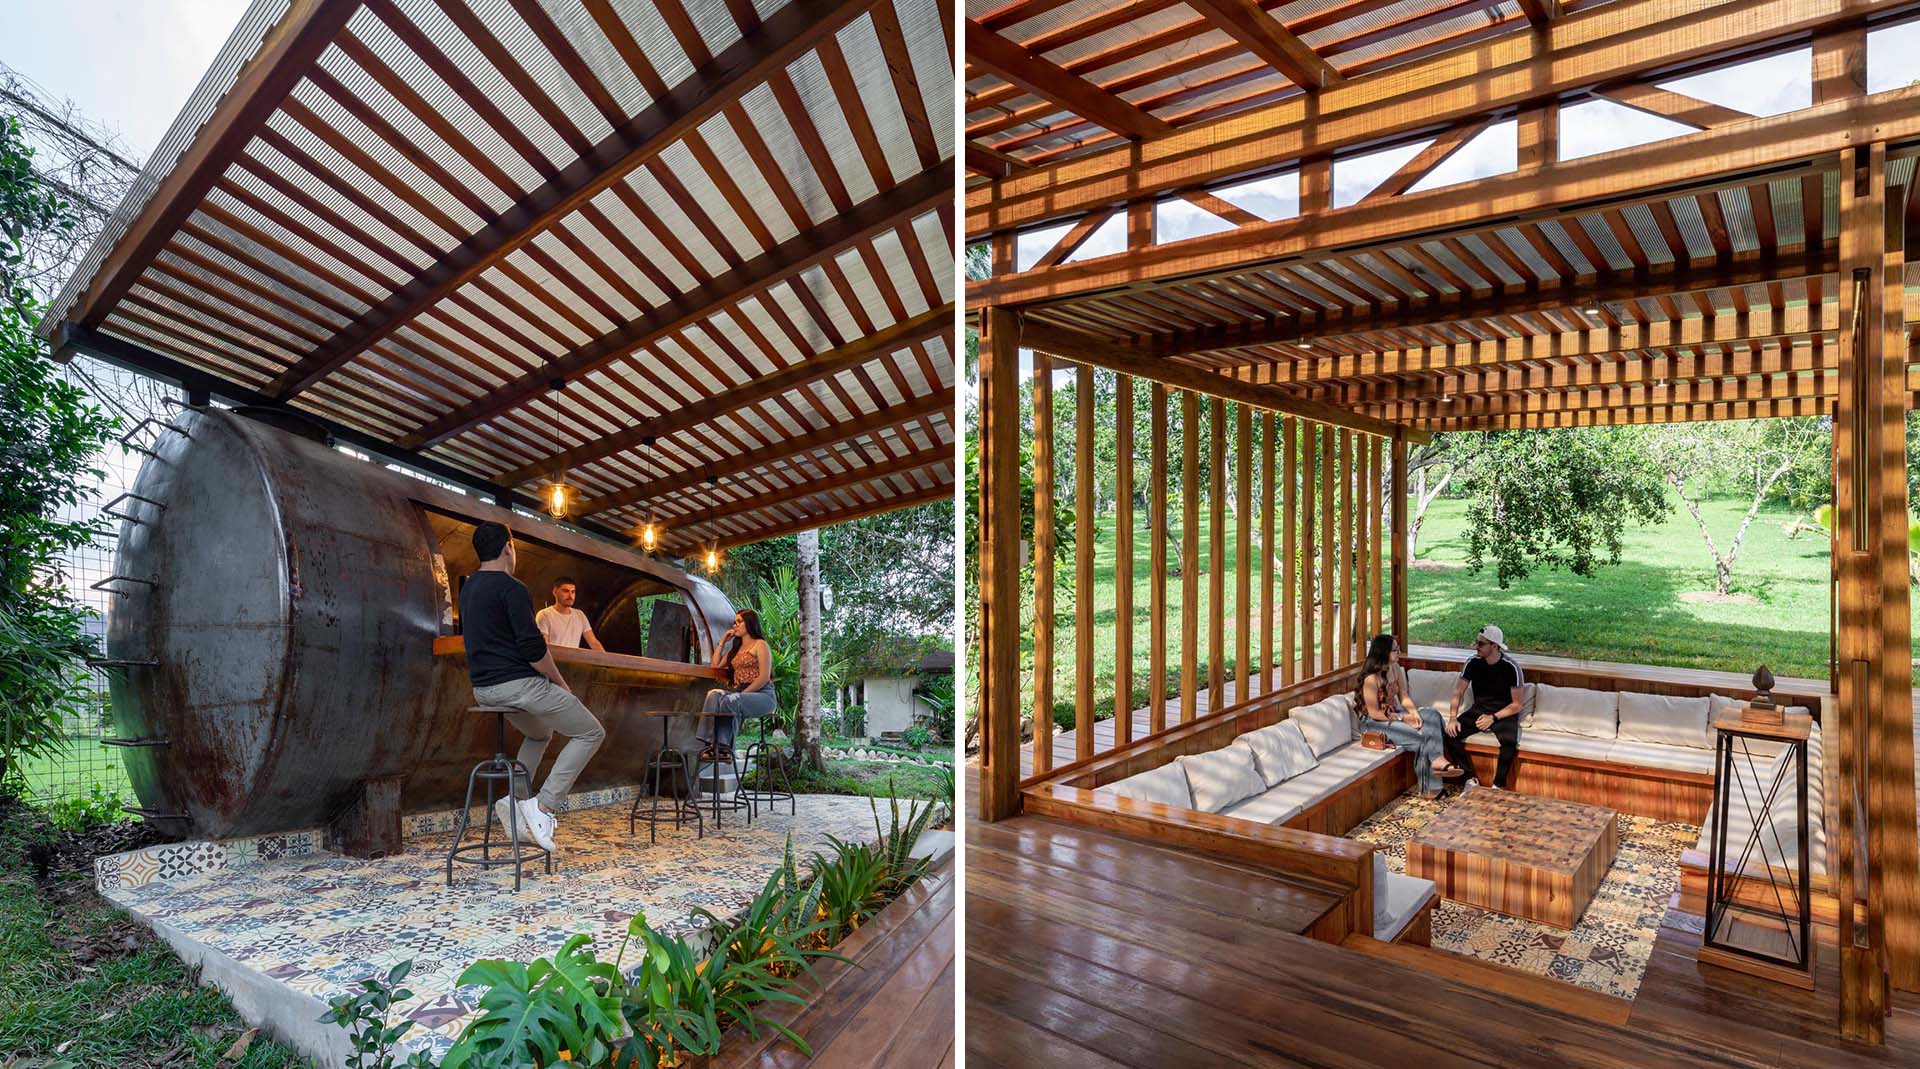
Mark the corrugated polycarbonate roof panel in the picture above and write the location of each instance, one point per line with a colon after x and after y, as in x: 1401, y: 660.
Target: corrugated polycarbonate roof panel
x: 824, y: 110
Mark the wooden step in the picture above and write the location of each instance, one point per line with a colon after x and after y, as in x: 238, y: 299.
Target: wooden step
x: 1515, y: 984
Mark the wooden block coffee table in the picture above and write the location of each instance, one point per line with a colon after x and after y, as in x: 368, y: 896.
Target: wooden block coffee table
x: 1538, y: 858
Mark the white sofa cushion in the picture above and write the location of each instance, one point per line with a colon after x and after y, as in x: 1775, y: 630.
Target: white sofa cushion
x: 1396, y: 898
x: 1786, y: 848
x: 1576, y: 711
x: 1336, y: 769
x: 1168, y: 784
x: 1660, y: 755
x: 1281, y: 752
x: 1328, y: 724
x: 1659, y: 718
x: 1219, y: 778
x: 1430, y: 689
x: 1559, y: 744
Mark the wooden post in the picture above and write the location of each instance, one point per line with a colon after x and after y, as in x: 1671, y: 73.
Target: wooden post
x: 1123, y: 561
x: 1043, y: 550
x: 1329, y: 575
x: 999, y: 518
x: 1376, y: 452
x: 1538, y: 135
x: 1868, y: 503
x: 1309, y: 479
x: 1316, y: 185
x: 1157, y: 566
x: 1266, y: 552
x: 1217, y: 556
x: 1242, y: 564
x: 1083, y: 565
x: 1354, y: 501
x: 1289, y: 541
x: 1189, y: 553
x: 1398, y: 494
x: 1349, y: 549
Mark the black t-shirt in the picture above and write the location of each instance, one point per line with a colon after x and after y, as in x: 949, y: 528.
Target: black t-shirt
x: 1492, y: 685
x: 496, y: 616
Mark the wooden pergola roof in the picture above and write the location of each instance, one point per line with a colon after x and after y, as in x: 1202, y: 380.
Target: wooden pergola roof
x: 1690, y: 278
x: 524, y: 238
x: 1049, y: 80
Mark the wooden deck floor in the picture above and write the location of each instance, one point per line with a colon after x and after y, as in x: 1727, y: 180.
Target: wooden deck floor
x: 1090, y: 949
x: 891, y: 1007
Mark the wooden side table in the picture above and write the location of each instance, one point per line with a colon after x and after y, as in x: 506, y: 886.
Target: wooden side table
x: 1771, y: 942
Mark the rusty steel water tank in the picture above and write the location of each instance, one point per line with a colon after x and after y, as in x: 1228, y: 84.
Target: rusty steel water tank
x: 273, y: 631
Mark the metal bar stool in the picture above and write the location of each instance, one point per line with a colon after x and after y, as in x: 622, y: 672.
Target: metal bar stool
x: 667, y: 758
x: 499, y: 767
x: 716, y: 805
x: 763, y: 792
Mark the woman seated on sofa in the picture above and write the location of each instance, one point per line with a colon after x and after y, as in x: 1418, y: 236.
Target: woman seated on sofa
x: 1381, y: 696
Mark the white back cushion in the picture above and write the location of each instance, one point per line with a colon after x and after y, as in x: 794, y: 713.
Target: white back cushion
x: 1669, y: 721
x: 1281, y: 752
x: 1221, y: 777
x: 1168, y: 784
x: 1327, y: 724
x: 1432, y: 690
x: 1577, y: 711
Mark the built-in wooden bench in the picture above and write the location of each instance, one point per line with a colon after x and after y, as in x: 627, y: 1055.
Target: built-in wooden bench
x: 1308, y: 846
x: 1642, y: 790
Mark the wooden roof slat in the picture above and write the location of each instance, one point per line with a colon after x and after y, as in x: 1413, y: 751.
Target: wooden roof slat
x: 792, y: 32
x: 289, y: 48
x: 1668, y: 104
x: 990, y: 51
x: 820, y: 438
x: 1620, y: 41
x: 1265, y: 37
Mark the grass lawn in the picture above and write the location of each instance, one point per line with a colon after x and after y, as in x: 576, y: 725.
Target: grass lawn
x: 85, y: 764
x: 870, y: 779
x: 1639, y: 610
x: 81, y: 985
x: 1636, y: 611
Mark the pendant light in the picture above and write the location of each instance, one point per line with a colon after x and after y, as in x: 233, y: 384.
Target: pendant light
x: 650, y: 531
x: 712, y: 556
x: 559, y: 495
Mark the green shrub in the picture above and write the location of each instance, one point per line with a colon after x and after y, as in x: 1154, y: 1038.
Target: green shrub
x: 853, y: 720
x: 98, y: 806
x: 917, y: 737
x: 364, y: 1016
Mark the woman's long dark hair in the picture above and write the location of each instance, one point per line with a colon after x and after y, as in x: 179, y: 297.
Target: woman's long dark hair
x: 1379, y: 660
x: 752, y: 621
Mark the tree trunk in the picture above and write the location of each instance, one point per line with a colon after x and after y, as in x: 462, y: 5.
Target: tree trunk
x: 806, y: 733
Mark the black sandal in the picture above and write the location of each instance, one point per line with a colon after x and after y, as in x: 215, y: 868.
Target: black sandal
x: 1450, y: 772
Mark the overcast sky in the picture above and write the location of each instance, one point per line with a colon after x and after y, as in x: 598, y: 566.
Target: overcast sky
x: 129, y: 64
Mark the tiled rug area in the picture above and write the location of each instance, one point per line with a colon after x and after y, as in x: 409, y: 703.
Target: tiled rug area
x: 320, y: 922
x: 1607, y: 952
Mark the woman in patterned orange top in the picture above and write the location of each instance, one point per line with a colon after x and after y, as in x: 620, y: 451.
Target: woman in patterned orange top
x: 747, y: 663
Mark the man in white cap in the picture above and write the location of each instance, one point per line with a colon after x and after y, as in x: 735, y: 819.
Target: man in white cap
x: 1497, y: 684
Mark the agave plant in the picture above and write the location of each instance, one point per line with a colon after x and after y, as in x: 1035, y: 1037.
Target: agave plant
x: 852, y: 883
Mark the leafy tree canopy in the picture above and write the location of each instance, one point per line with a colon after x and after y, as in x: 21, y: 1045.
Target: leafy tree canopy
x: 1553, y: 499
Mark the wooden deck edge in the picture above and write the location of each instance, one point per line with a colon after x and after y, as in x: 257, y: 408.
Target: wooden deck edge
x: 937, y: 890
x: 1552, y: 995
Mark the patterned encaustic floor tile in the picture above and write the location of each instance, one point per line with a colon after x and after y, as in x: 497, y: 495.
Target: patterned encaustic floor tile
x: 1606, y: 952
x: 321, y: 922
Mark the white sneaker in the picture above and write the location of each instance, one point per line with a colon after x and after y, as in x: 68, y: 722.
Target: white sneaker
x: 539, y: 823
x: 500, y: 812
x: 1468, y: 784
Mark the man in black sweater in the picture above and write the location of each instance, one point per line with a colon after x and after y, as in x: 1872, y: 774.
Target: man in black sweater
x: 1498, y: 688
x: 508, y: 663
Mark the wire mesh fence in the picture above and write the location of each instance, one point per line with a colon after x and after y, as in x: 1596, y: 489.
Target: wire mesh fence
x: 85, y: 765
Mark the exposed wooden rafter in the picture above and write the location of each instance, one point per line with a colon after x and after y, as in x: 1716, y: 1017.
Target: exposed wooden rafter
x: 1264, y: 36
x: 991, y: 52
x: 924, y: 192
x: 1621, y: 41
x: 792, y: 32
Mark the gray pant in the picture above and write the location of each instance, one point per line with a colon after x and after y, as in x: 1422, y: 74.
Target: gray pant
x: 743, y: 704
x: 1425, y: 743
x: 546, y: 711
